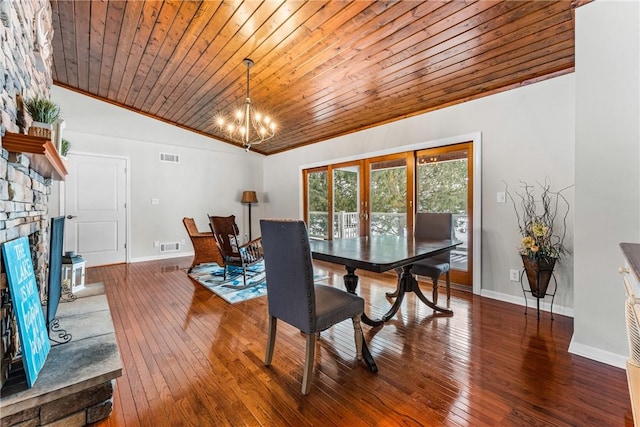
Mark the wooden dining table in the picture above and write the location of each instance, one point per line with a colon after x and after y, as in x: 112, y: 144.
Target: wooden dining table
x: 379, y: 254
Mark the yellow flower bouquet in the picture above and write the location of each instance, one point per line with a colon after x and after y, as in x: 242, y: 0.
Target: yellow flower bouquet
x: 542, y: 220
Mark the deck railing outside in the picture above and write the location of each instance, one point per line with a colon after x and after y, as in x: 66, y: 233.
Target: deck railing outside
x: 347, y: 224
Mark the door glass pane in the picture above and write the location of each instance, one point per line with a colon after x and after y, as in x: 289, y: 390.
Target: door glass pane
x: 388, y: 198
x: 442, y: 186
x: 346, y: 218
x: 318, y: 191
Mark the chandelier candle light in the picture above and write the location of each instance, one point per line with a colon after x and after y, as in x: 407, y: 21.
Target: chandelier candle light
x: 247, y: 126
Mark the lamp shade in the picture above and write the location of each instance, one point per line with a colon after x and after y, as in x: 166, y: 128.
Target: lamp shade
x: 249, y: 197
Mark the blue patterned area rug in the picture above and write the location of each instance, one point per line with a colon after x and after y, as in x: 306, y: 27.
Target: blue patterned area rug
x: 233, y: 289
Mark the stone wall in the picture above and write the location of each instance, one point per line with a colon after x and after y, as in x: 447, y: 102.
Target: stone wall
x: 78, y: 409
x: 23, y: 198
x: 25, y: 72
x: 26, y: 33
x: 25, y: 66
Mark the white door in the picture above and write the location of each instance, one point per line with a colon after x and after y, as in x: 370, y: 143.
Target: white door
x: 95, y: 208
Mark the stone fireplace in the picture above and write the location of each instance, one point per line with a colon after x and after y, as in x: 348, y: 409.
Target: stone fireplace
x: 24, y: 193
x: 21, y: 217
x: 25, y: 188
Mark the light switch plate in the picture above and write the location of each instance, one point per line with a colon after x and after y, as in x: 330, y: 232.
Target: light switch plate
x: 501, y: 197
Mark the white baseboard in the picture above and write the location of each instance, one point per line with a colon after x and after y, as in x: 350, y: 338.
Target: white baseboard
x: 544, y: 305
x: 593, y: 353
x: 599, y: 355
x: 161, y: 256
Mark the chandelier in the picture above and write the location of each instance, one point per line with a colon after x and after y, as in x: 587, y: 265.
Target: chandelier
x: 246, y: 125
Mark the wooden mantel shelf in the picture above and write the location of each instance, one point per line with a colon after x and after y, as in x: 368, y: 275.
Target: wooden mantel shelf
x: 43, y: 155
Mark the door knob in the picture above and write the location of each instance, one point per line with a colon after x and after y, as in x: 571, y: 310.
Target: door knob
x: 71, y: 216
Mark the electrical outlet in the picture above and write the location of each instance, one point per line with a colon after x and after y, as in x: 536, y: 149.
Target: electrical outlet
x: 514, y: 275
x: 156, y: 243
x: 501, y: 197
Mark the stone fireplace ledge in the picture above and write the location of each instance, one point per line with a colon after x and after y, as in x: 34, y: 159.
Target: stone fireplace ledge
x: 91, y: 359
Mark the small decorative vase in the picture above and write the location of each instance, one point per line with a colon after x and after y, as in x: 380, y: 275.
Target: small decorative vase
x: 539, y: 273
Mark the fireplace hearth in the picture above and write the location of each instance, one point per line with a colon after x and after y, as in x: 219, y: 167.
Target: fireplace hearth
x: 75, y: 385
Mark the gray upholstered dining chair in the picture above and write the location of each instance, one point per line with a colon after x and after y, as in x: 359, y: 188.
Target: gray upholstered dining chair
x: 294, y: 298
x: 437, y: 226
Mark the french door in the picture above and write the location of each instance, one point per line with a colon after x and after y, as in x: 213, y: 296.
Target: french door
x: 316, y: 202
x: 444, y: 184
x: 349, y: 207
x: 360, y: 198
x: 334, y: 201
x: 387, y: 187
x: 380, y: 196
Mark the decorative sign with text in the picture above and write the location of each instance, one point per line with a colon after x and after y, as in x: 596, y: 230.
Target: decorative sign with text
x: 34, y: 340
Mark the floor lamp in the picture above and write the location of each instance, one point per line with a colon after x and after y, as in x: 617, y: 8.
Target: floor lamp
x: 249, y: 198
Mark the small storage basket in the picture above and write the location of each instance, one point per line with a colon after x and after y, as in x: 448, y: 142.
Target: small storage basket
x: 41, y: 132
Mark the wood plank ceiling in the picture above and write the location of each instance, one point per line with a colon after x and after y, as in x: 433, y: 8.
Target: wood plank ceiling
x: 322, y: 68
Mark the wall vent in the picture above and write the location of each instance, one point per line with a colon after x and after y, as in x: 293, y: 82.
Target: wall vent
x: 169, y: 247
x: 169, y: 158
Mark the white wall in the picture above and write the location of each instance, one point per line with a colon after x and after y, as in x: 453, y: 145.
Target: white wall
x: 607, y: 170
x: 527, y: 134
x: 209, y: 179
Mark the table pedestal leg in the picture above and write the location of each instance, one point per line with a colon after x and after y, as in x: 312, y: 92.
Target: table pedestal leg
x: 351, y: 283
x: 409, y: 284
x: 395, y: 293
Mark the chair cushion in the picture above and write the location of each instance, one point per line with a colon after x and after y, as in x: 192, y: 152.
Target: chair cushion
x: 430, y: 268
x: 334, y: 305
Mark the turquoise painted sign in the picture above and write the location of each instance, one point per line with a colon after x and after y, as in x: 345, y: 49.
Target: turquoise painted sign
x: 34, y: 340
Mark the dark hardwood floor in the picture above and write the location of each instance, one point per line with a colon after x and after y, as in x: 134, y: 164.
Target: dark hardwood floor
x: 189, y: 358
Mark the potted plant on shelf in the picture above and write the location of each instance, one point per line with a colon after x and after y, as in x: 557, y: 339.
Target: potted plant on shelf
x: 65, y: 145
x: 44, y: 113
x: 542, y: 221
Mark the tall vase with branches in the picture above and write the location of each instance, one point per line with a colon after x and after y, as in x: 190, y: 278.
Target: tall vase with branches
x: 542, y: 220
